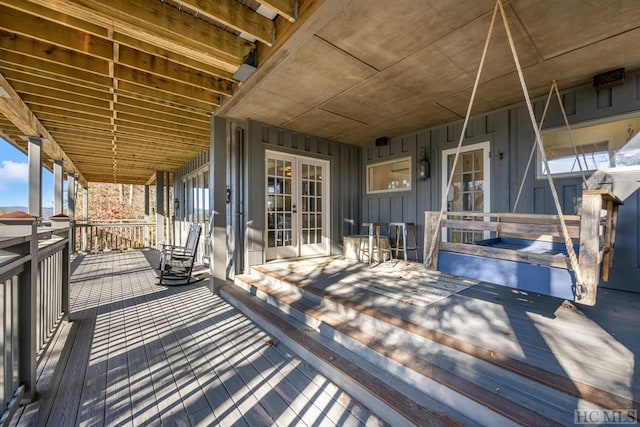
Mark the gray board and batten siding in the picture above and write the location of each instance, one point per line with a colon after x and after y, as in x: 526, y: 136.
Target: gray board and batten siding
x: 346, y: 187
x: 511, y: 135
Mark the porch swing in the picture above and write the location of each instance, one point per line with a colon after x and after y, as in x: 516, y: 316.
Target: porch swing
x: 558, y: 255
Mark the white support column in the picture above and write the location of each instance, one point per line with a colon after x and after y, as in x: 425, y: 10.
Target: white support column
x: 218, y: 198
x: 167, y: 209
x: 160, y: 213
x: 147, y: 237
x: 85, y: 216
x: 35, y: 176
x: 58, y: 178
x: 71, y: 195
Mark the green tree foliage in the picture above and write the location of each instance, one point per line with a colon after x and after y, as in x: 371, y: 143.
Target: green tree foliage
x: 114, y: 201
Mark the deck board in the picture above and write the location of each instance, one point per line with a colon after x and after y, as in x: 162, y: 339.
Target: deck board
x: 143, y: 354
x: 596, y: 346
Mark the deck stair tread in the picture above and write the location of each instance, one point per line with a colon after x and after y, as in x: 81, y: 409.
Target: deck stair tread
x: 313, y: 342
x: 511, y: 328
x: 511, y: 396
x: 517, y: 390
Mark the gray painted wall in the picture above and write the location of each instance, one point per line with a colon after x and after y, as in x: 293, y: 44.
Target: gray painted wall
x: 345, y: 165
x: 510, y: 133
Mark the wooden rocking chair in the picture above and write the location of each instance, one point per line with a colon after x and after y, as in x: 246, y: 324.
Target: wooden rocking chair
x: 176, y: 264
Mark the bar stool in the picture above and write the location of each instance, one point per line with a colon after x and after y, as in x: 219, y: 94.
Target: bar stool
x: 370, y: 241
x: 405, y: 238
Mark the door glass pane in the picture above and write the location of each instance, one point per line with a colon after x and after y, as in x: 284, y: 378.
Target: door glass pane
x: 467, y: 191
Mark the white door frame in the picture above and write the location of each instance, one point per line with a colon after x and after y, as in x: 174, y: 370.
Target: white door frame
x: 296, y: 194
x: 486, y: 147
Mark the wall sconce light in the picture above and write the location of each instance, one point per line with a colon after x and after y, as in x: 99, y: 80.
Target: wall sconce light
x: 176, y: 206
x: 423, y: 165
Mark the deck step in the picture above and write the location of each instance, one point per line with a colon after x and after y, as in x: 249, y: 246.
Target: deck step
x: 440, y: 366
x: 385, y: 400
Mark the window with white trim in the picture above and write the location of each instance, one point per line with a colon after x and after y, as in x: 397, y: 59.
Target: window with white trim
x: 614, y: 144
x: 392, y: 175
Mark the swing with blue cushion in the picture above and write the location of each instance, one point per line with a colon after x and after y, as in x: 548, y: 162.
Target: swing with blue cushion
x: 558, y: 255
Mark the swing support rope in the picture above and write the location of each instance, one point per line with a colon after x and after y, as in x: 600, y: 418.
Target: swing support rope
x: 573, y: 259
x: 552, y: 89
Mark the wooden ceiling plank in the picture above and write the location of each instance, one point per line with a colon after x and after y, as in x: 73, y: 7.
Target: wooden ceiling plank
x: 162, y: 25
x: 63, y: 130
x: 141, y: 107
x: 142, y: 101
x: 159, y: 132
x: 48, y: 119
x: 160, y: 52
x: 23, y: 118
x: 42, y: 111
x: 197, y: 131
x: 147, y: 80
x: 136, y: 116
x: 26, y: 64
x: 58, y: 17
x: 284, y: 8
x: 81, y: 147
x: 52, y: 82
x: 31, y: 26
x: 74, y: 90
x: 188, y: 142
x: 33, y: 100
x: 10, y: 42
x: 54, y: 95
x: 166, y: 69
x: 235, y: 15
x: 132, y: 89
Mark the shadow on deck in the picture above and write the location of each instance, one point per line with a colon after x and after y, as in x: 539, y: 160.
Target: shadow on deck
x: 136, y: 353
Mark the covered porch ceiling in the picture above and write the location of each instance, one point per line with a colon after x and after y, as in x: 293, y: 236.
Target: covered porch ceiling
x: 122, y: 88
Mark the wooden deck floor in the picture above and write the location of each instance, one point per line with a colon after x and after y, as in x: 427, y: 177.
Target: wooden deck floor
x: 142, y: 354
x: 594, y: 346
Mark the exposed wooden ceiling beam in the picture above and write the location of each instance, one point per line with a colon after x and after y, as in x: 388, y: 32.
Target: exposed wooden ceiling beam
x: 34, y: 66
x: 46, y: 51
x: 163, y: 68
x: 149, y: 81
x: 23, y: 118
x: 235, y: 15
x: 131, y: 118
x: 42, y: 111
x: 55, y: 95
x: 143, y: 108
x: 57, y: 16
x: 35, y: 100
x: 160, y: 52
x: 284, y: 8
x: 18, y: 22
x: 151, y: 93
x: 74, y: 90
x: 162, y: 25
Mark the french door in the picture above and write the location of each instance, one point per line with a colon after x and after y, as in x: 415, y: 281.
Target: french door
x: 469, y: 191
x: 297, y: 202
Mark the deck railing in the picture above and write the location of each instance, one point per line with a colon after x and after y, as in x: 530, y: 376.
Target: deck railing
x: 114, y: 235
x: 34, y: 284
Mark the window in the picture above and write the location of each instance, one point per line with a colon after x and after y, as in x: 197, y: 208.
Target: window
x: 615, y: 144
x: 394, y: 175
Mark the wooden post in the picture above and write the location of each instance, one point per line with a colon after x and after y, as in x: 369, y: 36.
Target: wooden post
x: 431, y: 227
x: 61, y: 222
x: 589, y: 257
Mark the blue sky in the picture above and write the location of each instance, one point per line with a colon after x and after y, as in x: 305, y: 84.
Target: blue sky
x: 13, y: 178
